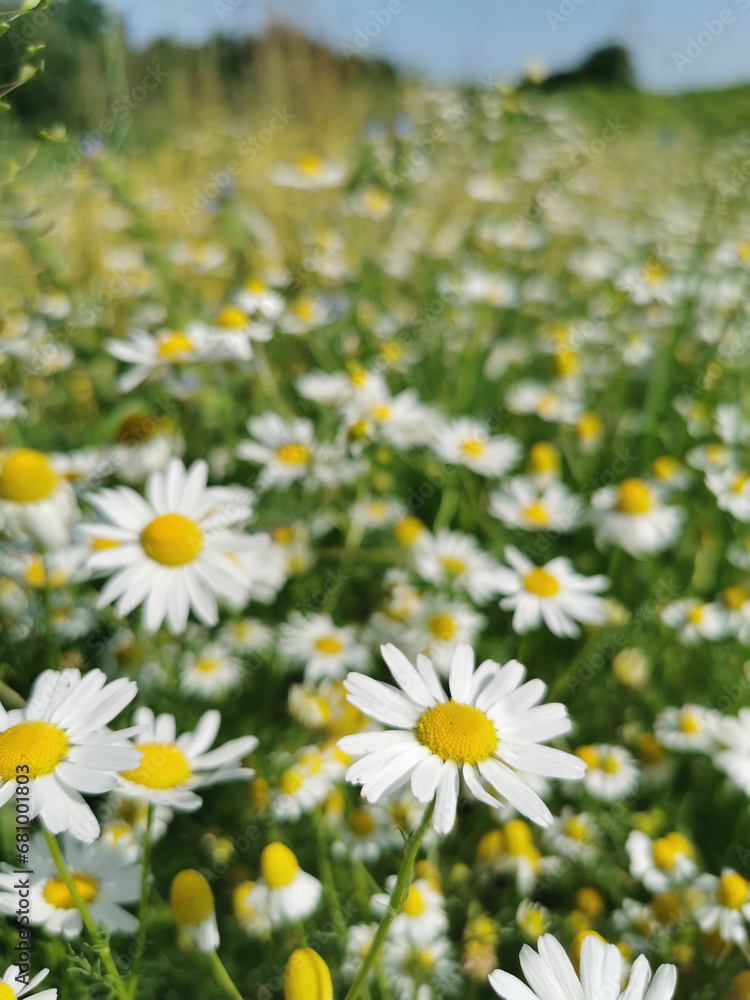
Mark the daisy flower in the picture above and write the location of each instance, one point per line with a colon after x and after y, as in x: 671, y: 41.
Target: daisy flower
x: 521, y: 503
x: 553, y: 593
x: 736, y: 602
x: 157, y: 354
x: 17, y: 984
x: 733, y: 757
x: 695, y: 619
x: 732, y: 491
x: 468, y: 442
x: 421, y: 971
x: 549, y: 404
x: 309, y: 171
x: 727, y: 909
x: 256, y: 296
x: 421, y: 917
x: 211, y: 673
x: 633, y: 517
x: 192, y: 905
x: 105, y: 876
x: 325, y: 650
x: 690, y: 727
x: 307, y: 977
x: 283, y: 892
x: 660, y: 863
x: 173, y: 550
x: 283, y: 448
x: 551, y: 975
x: 572, y: 835
x: 35, y: 501
x: 246, y: 636
x: 521, y: 857
x: 439, y: 627
x: 59, y: 743
x: 454, y: 560
x: 487, y: 728
x: 173, y: 767
x: 611, y: 771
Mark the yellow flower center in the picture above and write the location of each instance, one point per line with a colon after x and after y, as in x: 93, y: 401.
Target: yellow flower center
x: 731, y: 891
x: 407, y: 529
x: 575, y: 828
x: 610, y: 765
x: 39, y: 746
x: 717, y: 453
x: 379, y: 411
x: 633, y: 497
x: 310, y: 164
x: 544, y: 457
x: 190, y: 898
x: 174, y: 345
x: 734, y: 597
x: 278, y: 865
x: 413, y: 905
x: 293, y: 454
x: 739, y: 481
x: 304, y: 309
x: 541, y: 583
x: 588, y: 755
x: 536, y: 513
x: 357, y: 374
x: 329, y: 645
x: 232, y: 318
x: 6, y: 993
x: 442, y: 627
x: 472, y: 447
x: 666, y: 849
x: 256, y: 286
x: 56, y: 893
x: 100, y: 544
x: 162, y: 766
x: 589, y: 426
x: 361, y: 822
x: 456, y: 732
x: 566, y: 363
x: 306, y: 977
x: 517, y: 836
x: 665, y: 467
x: 453, y: 566
x: 172, y: 540
x: 207, y: 666
x: 391, y: 351
x: 290, y: 782
x: 688, y: 723
x: 695, y: 614
x: 27, y: 477
x: 37, y: 578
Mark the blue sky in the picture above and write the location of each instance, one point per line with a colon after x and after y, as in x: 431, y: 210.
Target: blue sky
x: 468, y: 39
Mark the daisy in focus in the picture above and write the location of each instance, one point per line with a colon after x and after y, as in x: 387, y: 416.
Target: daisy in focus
x: 554, y: 594
x: 60, y: 742
x: 490, y: 726
x: 660, y: 863
x: 727, y: 908
x: 172, y: 551
x: 551, y: 975
x: 173, y: 767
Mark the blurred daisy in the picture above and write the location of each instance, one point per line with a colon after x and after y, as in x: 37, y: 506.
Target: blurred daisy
x: 633, y: 517
x: 439, y: 627
x: 172, y: 551
x: 283, y: 892
x: 210, y: 673
x: 309, y: 171
x: 486, y: 730
x: 284, y: 449
x: 732, y: 491
x: 727, y: 910
x: 736, y: 605
x: 172, y: 768
x: 539, y: 399
x: 324, y: 649
x: 192, y: 905
x: 35, y: 501
x: 690, y: 727
x: 553, y: 593
x: 551, y: 975
x: 61, y: 743
x: 246, y: 636
x: 695, y: 619
x: 733, y: 756
x: 572, y: 834
x: 256, y: 296
x: 660, y: 863
x: 104, y: 875
x: 611, y: 771
x: 454, y: 560
x: 157, y: 354
x: 421, y: 918
x: 520, y: 503
x: 467, y: 442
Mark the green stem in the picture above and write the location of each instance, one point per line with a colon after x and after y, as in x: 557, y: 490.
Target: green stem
x: 140, y: 943
x: 223, y: 977
x: 400, y: 889
x: 11, y: 697
x: 100, y: 944
x: 326, y: 876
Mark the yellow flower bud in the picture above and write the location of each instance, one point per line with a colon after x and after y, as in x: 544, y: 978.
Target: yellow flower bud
x: 306, y: 977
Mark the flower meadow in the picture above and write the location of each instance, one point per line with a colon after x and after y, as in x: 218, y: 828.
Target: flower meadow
x: 374, y: 580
